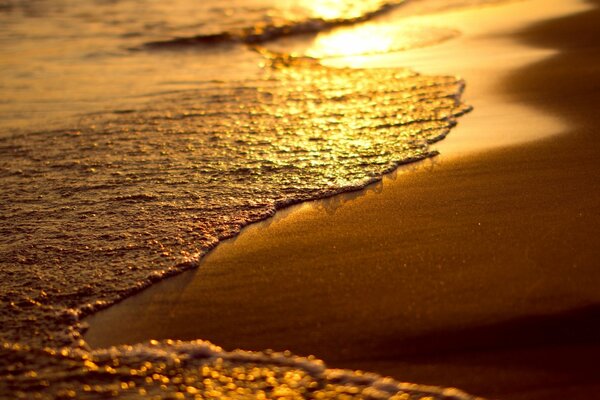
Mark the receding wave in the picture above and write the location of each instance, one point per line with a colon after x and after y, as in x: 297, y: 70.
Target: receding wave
x: 267, y: 31
x: 111, y: 203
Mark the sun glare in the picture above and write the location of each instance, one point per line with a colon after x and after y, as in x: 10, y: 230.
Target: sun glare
x: 349, y: 42
x: 339, y: 9
x: 327, y: 9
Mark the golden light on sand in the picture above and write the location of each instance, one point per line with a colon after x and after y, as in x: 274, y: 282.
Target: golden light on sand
x: 379, y: 38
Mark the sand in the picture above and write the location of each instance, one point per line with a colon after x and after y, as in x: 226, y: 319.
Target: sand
x: 478, y: 269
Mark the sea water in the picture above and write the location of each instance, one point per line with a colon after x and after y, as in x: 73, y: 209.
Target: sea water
x: 137, y: 134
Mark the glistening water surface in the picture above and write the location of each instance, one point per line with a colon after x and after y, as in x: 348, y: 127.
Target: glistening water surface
x: 122, y: 164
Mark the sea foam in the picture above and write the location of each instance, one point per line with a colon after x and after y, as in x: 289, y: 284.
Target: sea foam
x: 96, y: 211
x: 195, y: 370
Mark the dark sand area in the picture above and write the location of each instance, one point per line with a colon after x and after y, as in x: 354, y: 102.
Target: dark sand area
x: 480, y: 272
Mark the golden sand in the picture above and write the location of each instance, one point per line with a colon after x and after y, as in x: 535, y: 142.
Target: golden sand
x: 476, y: 270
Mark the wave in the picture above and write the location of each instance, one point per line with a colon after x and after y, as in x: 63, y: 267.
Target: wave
x: 99, y: 210
x: 265, y: 31
x: 196, y: 369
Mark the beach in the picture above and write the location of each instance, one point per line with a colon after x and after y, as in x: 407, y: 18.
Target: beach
x: 476, y: 269
x: 384, y: 199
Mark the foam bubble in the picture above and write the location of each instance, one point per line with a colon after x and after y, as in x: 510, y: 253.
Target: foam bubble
x: 197, y: 369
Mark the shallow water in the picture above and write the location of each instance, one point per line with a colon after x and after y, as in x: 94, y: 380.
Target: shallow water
x: 120, y: 167
x: 96, y: 210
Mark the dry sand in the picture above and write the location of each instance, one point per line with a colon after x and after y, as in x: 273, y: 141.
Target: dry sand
x: 478, y: 270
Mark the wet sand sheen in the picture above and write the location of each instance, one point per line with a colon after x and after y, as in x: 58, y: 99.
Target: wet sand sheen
x: 432, y: 276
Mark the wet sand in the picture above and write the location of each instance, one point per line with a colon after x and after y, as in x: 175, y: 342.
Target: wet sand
x: 475, y: 270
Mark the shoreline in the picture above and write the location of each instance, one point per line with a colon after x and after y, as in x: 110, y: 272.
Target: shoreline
x: 436, y: 263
